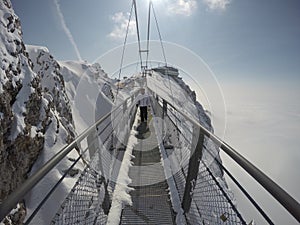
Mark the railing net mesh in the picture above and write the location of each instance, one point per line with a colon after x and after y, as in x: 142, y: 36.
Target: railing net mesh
x: 212, y: 202
x: 86, y: 202
x: 90, y: 199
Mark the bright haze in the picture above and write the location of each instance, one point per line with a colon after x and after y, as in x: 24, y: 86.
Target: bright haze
x: 252, y: 47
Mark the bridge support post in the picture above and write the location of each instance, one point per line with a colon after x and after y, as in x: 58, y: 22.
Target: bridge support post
x: 164, y: 108
x: 93, y: 144
x: 164, y: 113
x: 194, y: 162
x: 124, y: 106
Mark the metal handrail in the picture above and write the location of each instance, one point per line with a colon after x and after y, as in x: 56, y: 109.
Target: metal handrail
x: 265, y: 216
x: 16, y: 196
x: 65, y: 174
x: 286, y: 200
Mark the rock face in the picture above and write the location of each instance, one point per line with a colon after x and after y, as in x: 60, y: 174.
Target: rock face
x: 33, y: 105
x: 53, y: 89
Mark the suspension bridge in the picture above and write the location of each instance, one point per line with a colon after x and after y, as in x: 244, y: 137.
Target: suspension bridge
x: 171, y: 180
x: 166, y: 187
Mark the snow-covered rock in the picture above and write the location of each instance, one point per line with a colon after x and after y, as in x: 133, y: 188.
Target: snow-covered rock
x: 19, y: 147
x: 87, y: 87
x: 35, y: 111
x: 81, y: 92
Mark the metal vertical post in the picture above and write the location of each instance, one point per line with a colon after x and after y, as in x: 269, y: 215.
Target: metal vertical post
x: 165, y: 104
x: 194, y: 162
x: 164, y: 113
x: 92, y: 144
x: 124, y: 106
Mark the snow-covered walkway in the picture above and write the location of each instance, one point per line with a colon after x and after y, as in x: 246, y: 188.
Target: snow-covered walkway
x: 150, y: 198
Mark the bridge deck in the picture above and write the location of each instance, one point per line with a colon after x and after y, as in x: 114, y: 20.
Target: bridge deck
x: 151, y: 201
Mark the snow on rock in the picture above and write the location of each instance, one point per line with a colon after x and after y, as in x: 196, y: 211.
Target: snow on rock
x: 87, y: 87
x: 61, y: 130
x: 20, y: 98
x: 52, y: 85
x: 80, y: 92
x: 36, y: 118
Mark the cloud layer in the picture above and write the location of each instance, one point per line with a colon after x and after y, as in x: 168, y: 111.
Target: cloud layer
x: 121, y: 20
x: 188, y: 7
x: 66, y: 29
x: 173, y: 7
x: 216, y: 4
x: 263, y: 124
x: 182, y: 7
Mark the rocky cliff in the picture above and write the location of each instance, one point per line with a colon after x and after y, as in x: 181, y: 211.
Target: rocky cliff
x: 34, y: 108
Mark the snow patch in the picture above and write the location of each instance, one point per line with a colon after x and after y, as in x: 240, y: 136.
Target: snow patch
x: 121, y: 196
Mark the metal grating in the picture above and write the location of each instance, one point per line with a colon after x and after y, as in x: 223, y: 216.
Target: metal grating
x: 86, y: 202
x: 150, y: 197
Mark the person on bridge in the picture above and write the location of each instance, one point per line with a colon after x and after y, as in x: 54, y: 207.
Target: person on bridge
x: 143, y: 101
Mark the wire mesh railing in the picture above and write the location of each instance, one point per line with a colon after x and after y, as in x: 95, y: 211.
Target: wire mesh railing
x: 104, y: 140
x: 211, y: 202
x: 194, y: 161
x: 210, y: 170
x: 89, y: 201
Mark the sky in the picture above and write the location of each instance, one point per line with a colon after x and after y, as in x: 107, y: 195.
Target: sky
x: 252, y: 48
x: 237, y: 38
